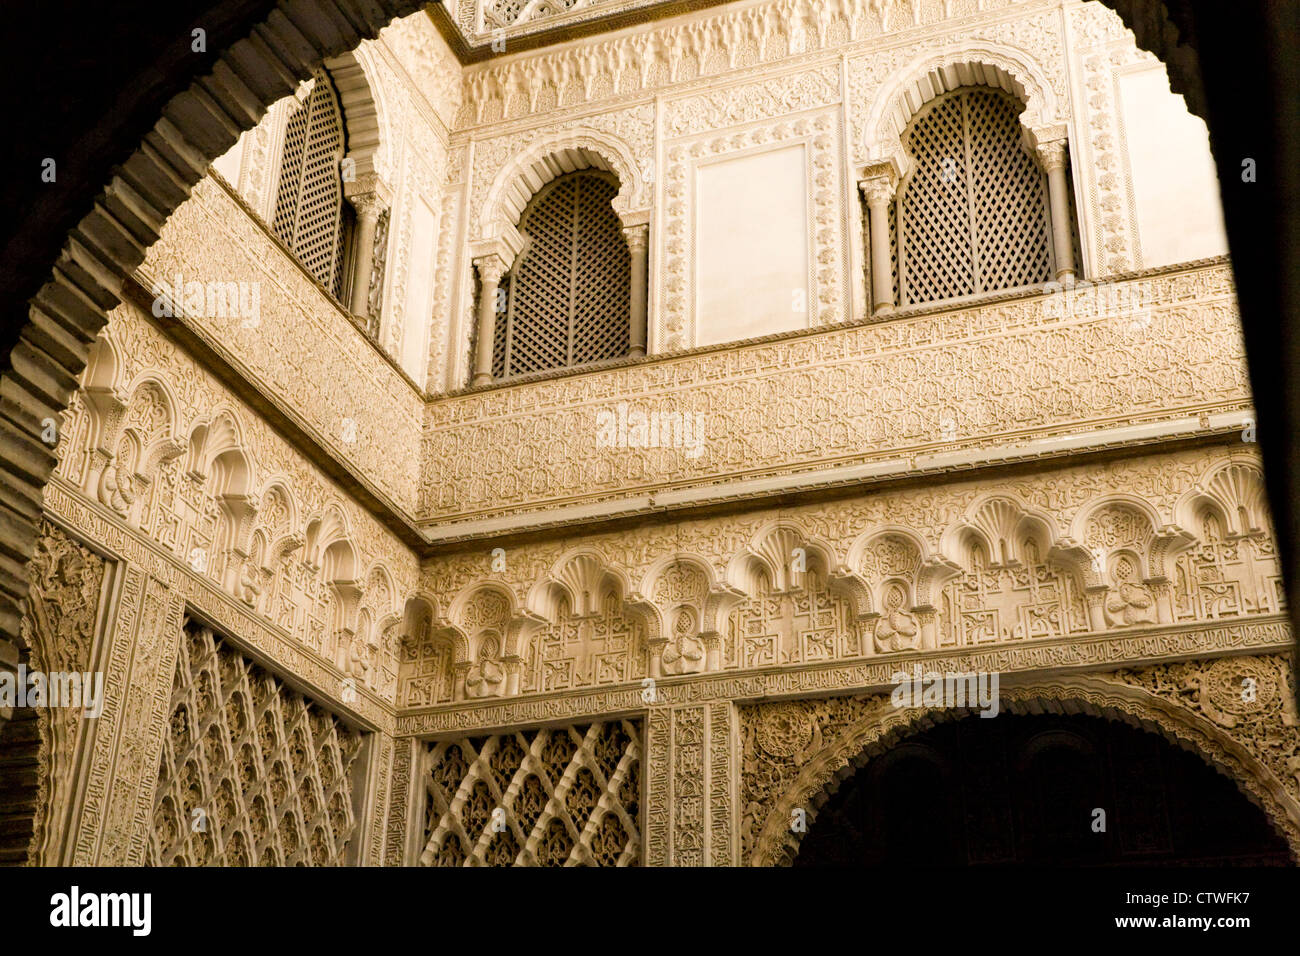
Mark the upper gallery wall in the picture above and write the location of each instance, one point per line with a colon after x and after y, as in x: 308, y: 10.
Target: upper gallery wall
x: 741, y: 135
x: 741, y: 146
x: 334, y: 334
x: 747, y: 143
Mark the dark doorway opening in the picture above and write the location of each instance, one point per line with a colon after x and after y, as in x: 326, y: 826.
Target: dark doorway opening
x: 1017, y: 790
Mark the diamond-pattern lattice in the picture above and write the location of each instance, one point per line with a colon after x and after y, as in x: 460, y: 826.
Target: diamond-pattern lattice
x: 559, y: 796
x: 569, y: 295
x: 309, y: 203
x: 973, y: 214
x: 251, y: 772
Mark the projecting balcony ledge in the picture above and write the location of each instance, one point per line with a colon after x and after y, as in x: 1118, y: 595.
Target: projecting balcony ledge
x: 1080, y: 289
x: 1150, y: 357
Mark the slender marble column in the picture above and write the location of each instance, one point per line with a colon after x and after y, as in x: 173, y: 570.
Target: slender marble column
x: 490, y: 271
x: 1052, y: 156
x: 638, y: 243
x: 879, y: 193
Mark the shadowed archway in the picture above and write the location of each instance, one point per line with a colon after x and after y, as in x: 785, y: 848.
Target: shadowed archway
x: 1039, y: 789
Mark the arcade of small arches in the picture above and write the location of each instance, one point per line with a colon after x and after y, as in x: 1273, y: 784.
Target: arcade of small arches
x: 1002, y: 574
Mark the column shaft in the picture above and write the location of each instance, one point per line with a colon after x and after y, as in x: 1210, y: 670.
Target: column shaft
x: 1062, y: 243
x: 367, y: 221
x: 490, y: 272
x: 882, y: 273
x: 638, y: 245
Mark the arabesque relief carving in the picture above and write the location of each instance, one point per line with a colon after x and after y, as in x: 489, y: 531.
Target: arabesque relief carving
x: 60, y: 629
x: 1010, y: 370
x: 984, y: 563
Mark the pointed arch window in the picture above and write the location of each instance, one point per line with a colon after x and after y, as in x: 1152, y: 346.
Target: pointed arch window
x: 311, y: 217
x: 973, y: 215
x: 567, y: 298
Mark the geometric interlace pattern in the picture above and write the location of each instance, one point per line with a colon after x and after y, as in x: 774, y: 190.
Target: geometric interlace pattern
x: 559, y: 796
x: 506, y: 12
x: 252, y: 772
x: 309, y: 202
x: 972, y: 216
x: 569, y: 295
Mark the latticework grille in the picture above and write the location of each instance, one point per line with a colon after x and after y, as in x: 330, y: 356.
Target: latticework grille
x: 972, y: 216
x: 251, y: 771
x: 562, y: 796
x: 309, y: 203
x: 569, y: 295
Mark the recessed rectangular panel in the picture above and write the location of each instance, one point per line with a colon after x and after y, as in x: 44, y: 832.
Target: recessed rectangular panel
x: 751, y: 246
x: 419, y: 290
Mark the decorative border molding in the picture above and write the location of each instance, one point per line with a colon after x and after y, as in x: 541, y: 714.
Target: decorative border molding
x: 1261, y: 635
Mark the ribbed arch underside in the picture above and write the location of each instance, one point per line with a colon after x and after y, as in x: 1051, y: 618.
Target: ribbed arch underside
x: 972, y: 216
x: 568, y: 296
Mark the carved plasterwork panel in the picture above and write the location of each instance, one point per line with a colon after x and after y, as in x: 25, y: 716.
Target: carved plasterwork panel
x: 698, y: 48
x: 1028, y: 46
x: 1164, y: 482
x: 252, y: 772
x: 794, y: 626
x: 551, y: 797
x: 231, y: 506
x: 301, y: 348
x: 60, y: 629
x: 429, y: 63
x: 1104, y: 47
x: 631, y: 128
x: 1050, y: 559
x: 979, y: 377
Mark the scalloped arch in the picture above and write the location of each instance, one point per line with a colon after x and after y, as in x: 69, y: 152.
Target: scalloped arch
x: 364, y: 111
x: 527, y: 172
x: 880, y: 728
x: 909, y: 88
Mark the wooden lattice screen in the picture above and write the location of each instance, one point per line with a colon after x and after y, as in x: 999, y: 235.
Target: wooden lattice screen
x: 568, y: 297
x: 972, y: 216
x: 309, y: 213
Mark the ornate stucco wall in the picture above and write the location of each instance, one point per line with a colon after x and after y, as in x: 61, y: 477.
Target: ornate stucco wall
x: 289, y: 517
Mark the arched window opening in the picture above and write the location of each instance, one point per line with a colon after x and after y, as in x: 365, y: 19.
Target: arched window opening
x: 566, y: 301
x: 972, y: 216
x: 310, y: 215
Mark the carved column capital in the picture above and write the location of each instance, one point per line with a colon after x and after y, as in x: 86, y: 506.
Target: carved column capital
x: 878, y: 190
x: 878, y: 182
x: 368, y: 191
x: 1052, y: 155
x: 637, y: 238
x: 490, y: 269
